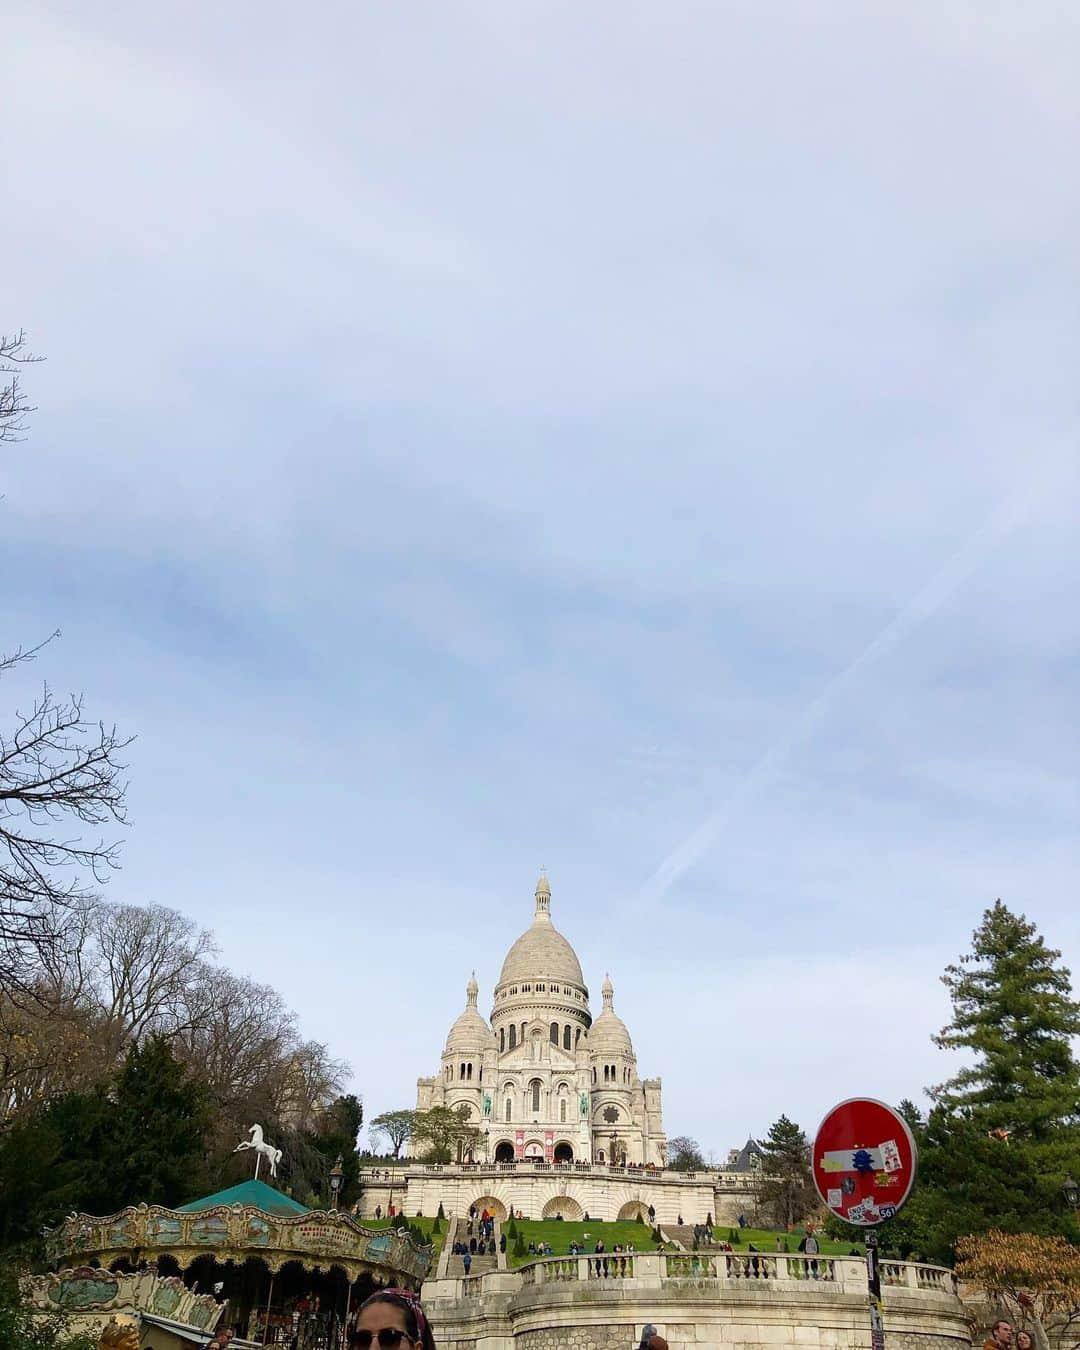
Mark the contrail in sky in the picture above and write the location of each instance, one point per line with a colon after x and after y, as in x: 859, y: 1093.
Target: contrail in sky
x: 966, y: 560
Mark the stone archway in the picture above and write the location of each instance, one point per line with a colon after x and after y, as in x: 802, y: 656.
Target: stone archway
x: 564, y: 1152
x: 562, y: 1205
x: 504, y: 1152
x: 634, y: 1209
x: 492, y: 1205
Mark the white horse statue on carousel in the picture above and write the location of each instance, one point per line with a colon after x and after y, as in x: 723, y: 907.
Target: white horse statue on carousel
x: 261, y: 1149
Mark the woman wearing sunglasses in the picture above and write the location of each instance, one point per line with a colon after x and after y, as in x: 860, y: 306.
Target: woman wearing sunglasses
x: 392, y: 1319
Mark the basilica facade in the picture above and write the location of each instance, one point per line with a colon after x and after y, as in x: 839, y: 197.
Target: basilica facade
x: 542, y: 1079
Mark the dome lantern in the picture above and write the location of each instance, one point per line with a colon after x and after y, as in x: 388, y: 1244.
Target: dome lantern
x: 543, y: 896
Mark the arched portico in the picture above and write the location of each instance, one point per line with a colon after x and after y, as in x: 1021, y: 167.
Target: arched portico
x: 634, y: 1209
x: 562, y: 1206
x: 504, y: 1152
x: 492, y: 1204
x: 564, y: 1152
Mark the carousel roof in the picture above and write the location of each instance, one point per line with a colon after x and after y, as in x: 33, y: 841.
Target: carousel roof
x: 255, y: 1193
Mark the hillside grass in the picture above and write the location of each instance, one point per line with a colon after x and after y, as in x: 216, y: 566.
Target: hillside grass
x: 561, y: 1234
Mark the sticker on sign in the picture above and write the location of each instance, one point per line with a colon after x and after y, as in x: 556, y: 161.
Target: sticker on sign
x: 863, y: 1147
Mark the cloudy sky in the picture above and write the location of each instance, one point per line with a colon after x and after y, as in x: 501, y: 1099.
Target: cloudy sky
x: 634, y: 439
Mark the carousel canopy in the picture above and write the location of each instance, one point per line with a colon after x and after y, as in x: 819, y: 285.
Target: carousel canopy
x: 255, y: 1193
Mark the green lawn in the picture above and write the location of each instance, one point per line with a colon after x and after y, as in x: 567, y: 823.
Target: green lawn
x: 561, y: 1233
x: 764, y: 1239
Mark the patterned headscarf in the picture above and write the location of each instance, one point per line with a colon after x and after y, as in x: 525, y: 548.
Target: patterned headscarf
x: 411, y: 1300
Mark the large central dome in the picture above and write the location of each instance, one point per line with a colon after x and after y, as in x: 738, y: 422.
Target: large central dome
x: 541, y: 952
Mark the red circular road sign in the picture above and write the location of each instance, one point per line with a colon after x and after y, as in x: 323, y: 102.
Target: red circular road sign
x: 864, y: 1161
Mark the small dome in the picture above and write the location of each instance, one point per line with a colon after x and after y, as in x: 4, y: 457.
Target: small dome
x: 470, y: 1031
x: 542, y: 953
x: 608, y: 1034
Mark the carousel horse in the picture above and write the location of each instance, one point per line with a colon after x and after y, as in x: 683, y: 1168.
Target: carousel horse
x: 259, y: 1145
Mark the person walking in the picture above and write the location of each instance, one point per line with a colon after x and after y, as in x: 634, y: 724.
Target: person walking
x: 466, y: 1261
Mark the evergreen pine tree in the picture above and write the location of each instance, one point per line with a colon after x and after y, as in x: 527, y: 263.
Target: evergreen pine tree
x: 161, y: 1116
x: 1013, y: 1010
x: 1005, y: 1130
x: 787, y: 1182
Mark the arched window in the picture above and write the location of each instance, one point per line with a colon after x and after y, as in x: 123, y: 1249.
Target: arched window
x: 461, y: 1071
x: 594, y: 1073
x: 577, y: 1038
x: 566, y: 1038
x: 513, y: 1037
x: 553, y: 1032
x: 562, y: 1111
x: 605, y: 1073
x: 509, y: 1109
x: 502, y: 1039
x: 468, y: 1071
x: 534, y: 1088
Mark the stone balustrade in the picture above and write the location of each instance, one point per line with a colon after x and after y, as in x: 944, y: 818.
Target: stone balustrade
x: 736, y: 1300
x: 845, y: 1272
x: 386, y: 1176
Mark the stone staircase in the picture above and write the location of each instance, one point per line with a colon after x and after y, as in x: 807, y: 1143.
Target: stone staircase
x: 683, y: 1235
x: 480, y: 1265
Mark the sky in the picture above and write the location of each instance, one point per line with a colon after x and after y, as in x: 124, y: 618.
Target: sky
x: 634, y: 440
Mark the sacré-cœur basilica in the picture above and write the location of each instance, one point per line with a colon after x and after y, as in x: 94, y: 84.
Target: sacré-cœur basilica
x: 544, y: 1080
x: 565, y: 1124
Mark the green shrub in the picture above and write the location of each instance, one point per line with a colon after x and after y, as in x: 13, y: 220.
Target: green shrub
x: 436, y: 1227
x: 519, y: 1247
x: 442, y: 1212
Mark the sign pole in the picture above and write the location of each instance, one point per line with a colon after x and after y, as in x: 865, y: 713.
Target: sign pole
x: 873, y: 1284
x: 864, y: 1163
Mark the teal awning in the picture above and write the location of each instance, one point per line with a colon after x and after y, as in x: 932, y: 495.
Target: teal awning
x: 256, y: 1193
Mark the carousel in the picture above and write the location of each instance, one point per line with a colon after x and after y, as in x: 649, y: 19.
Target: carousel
x: 284, y: 1274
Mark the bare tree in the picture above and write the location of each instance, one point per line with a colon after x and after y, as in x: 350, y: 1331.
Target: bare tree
x: 149, y: 959
x: 312, y: 1079
x: 14, y: 407
x: 58, y: 771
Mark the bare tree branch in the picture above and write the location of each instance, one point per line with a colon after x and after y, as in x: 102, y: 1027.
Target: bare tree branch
x: 14, y: 406
x: 56, y: 769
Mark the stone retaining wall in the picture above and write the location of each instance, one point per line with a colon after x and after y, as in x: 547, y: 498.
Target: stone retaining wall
x: 509, y: 1311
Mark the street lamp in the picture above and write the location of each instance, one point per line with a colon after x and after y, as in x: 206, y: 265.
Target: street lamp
x: 337, y: 1176
x: 1071, y: 1191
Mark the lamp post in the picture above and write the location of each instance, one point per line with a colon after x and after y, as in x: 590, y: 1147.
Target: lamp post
x: 337, y: 1176
x: 1071, y: 1191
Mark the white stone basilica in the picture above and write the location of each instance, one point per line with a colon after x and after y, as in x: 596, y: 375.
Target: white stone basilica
x: 542, y: 1080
